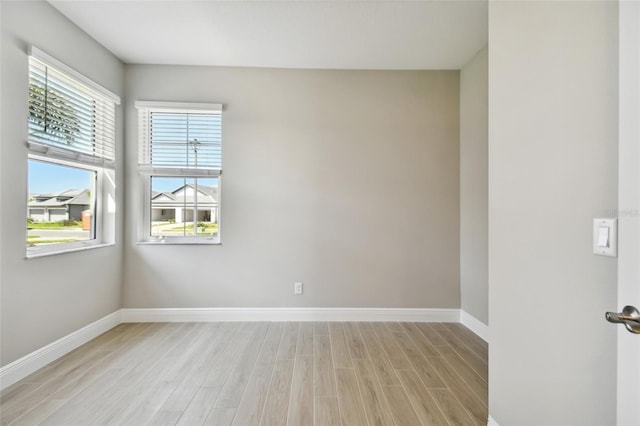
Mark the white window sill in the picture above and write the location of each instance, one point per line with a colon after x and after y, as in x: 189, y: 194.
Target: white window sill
x: 36, y: 253
x: 180, y: 243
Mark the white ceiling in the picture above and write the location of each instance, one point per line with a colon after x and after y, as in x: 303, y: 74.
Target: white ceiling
x: 338, y: 34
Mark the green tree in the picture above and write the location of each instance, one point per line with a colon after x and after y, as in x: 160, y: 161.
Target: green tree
x: 52, y: 115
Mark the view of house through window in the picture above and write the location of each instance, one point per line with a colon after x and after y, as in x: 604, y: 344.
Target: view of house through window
x: 71, y: 161
x: 61, y: 204
x: 184, y: 207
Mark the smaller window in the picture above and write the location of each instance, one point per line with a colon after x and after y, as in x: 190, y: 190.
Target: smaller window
x: 180, y: 147
x: 184, y: 207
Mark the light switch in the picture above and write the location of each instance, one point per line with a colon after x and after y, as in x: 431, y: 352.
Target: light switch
x: 605, y: 234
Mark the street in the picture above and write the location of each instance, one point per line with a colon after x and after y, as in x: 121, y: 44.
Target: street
x: 58, y: 234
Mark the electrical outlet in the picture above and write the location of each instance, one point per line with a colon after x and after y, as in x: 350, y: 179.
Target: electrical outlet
x: 297, y: 288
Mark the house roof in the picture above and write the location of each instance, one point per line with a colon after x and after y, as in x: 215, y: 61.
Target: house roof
x: 61, y: 199
x: 208, y: 195
x: 212, y: 191
x: 156, y: 194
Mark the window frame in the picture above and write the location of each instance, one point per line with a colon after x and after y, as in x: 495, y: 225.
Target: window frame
x: 148, y: 171
x: 99, y: 199
x: 99, y: 163
x: 145, y: 236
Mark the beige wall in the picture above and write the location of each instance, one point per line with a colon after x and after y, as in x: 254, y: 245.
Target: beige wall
x: 552, y: 168
x: 46, y: 298
x: 474, y: 221
x: 345, y: 180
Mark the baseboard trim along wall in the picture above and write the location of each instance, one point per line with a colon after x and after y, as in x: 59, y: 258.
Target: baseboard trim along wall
x: 492, y: 422
x: 289, y: 314
x: 22, y: 367
x: 475, y: 325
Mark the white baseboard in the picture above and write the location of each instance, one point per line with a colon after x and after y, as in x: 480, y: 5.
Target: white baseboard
x: 492, y: 422
x: 289, y: 314
x: 21, y: 368
x: 475, y: 325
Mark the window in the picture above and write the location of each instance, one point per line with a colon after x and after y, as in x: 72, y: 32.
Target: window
x: 57, y: 216
x: 180, y: 161
x: 71, y: 143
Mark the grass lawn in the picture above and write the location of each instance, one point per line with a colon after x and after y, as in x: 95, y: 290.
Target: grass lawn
x: 208, y: 227
x: 53, y: 225
x: 203, y: 229
x: 32, y: 242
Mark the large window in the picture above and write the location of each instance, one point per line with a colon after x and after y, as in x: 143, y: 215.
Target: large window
x: 180, y: 161
x: 71, y: 122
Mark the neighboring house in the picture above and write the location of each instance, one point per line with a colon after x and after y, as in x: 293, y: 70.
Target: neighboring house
x: 59, y: 206
x: 180, y: 204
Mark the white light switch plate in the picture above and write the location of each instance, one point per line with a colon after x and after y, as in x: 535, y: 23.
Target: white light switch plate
x: 601, y: 245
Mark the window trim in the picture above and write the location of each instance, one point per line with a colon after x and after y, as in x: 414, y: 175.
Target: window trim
x: 147, y: 171
x: 144, y: 233
x: 100, y: 212
x: 65, y: 69
x: 103, y: 165
x: 100, y: 137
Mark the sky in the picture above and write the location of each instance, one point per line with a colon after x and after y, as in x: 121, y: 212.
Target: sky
x: 45, y: 178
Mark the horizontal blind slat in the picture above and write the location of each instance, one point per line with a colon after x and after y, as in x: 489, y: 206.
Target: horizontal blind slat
x: 180, y: 140
x: 69, y: 116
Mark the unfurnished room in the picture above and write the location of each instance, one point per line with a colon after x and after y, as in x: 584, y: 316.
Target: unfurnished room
x: 320, y: 212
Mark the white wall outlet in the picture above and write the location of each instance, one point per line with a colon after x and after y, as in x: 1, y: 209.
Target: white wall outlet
x: 297, y: 288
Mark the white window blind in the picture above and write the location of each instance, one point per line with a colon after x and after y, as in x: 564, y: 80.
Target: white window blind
x: 180, y: 138
x: 68, y: 119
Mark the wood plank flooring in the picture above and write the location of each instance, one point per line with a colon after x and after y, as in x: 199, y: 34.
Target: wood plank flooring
x: 259, y: 373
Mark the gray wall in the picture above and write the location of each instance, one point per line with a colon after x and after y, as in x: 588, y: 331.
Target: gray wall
x: 474, y: 221
x: 345, y: 180
x: 553, y: 168
x: 629, y: 208
x: 46, y: 298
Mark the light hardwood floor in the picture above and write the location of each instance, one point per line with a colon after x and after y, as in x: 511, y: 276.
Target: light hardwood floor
x: 258, y: 373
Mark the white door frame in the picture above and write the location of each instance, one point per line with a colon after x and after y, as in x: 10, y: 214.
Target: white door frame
x: 628, y: 388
